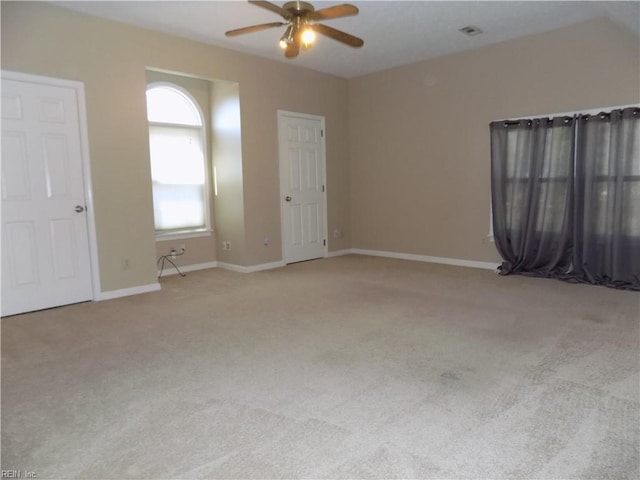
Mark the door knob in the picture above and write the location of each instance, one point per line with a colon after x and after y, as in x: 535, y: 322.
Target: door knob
x: 287, y: 198
x: 79, y: 208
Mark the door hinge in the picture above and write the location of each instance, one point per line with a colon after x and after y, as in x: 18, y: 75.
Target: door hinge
x: 321, y: 133
x: 323, y: 188
x: 324, y: 242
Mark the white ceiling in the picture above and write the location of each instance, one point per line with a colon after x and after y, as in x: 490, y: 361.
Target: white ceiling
x: 395, y: 32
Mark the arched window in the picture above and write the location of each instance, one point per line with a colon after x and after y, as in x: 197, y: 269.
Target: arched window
x: 178, y: 165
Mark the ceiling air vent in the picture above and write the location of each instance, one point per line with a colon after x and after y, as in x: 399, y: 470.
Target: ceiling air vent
x: 471, y: 30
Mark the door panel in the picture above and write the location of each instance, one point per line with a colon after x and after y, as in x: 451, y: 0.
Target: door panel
x: 63, y: 246
x: 56, y: 157
x: 45, y: 244
x: 11, y: 107
x: 20, y: 244
x: 52, y: 110
x: 296, y: 226
x: 302, y: 167
x: 15, y: 173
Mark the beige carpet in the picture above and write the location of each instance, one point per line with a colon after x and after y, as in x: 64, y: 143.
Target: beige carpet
x: 351, y: 367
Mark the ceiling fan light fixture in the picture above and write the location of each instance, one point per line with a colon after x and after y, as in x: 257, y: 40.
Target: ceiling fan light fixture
x: 308, y: 37
x: 287, y: 38
x: 301, y: 27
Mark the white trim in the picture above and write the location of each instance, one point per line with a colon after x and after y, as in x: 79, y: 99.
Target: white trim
x: 126, y: 292
x: 425, y: 258
x: 28, y: 77
x: 91, y: 219
x: 163, y: 237
x: 339, y: 253
x: 169, y: 270
x: 250, y: 268
x: 232, y: 267
x: 280, y: 115
x: 86, y: 163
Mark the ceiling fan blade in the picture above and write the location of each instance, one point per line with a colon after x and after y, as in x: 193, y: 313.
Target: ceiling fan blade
x: 344, y: 10
x: 338, y: 35
x: 272, y: 8
x: 254, y: 28
x: 292, y: 50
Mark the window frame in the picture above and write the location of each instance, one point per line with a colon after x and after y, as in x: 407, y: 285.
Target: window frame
x: 206, y: 230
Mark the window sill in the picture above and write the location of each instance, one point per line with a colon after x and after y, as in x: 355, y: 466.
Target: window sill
x: 161, y: 237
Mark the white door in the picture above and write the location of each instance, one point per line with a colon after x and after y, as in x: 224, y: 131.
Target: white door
x: 45, y: 244
x: 302, y: 186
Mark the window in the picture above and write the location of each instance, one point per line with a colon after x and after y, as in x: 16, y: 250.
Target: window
x: 555, y: 179
x: 551, y: 174
x: 616, y: 182
x: 178, y: 166
x: 566, y: 196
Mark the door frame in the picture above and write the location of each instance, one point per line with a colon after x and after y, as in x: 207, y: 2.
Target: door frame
x: 307, y: 116
x: 86, y: 163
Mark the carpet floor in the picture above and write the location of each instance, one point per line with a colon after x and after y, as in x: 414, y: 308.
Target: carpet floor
x: 349, y: 367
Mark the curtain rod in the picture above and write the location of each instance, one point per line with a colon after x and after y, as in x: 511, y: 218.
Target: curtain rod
x: 592, y: 111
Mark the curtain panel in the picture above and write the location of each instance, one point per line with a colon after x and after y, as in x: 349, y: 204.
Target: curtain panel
x: 565, y: 197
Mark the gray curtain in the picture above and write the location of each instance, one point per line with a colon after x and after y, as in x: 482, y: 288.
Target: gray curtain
x: 566, y: 197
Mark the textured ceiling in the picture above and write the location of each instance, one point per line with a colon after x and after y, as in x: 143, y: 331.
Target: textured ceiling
x: 395, y: 32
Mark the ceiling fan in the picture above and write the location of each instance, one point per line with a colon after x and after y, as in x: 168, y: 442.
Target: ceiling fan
x: 301, y: 27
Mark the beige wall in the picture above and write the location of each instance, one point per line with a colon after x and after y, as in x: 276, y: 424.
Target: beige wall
x: 420, y: 157
x: 111, y: 59
x: 227, y: 161
x: 407, y: 149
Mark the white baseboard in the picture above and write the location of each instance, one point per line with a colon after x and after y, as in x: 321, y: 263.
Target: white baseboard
x: 250, y: 268
x: 425, y: 258
x: 169, y: 270
x: 125, y: 292
x: 339, y: 253
x: 153, y: 287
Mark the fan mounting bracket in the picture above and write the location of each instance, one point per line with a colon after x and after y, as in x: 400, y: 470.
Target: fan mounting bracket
x: 299, y: 9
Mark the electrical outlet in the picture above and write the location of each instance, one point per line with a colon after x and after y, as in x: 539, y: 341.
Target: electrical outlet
x: 226, y: 245
x: 336, y: 233
x: 182, y: 248
x: 266, y: 241
x: 126, y: 263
